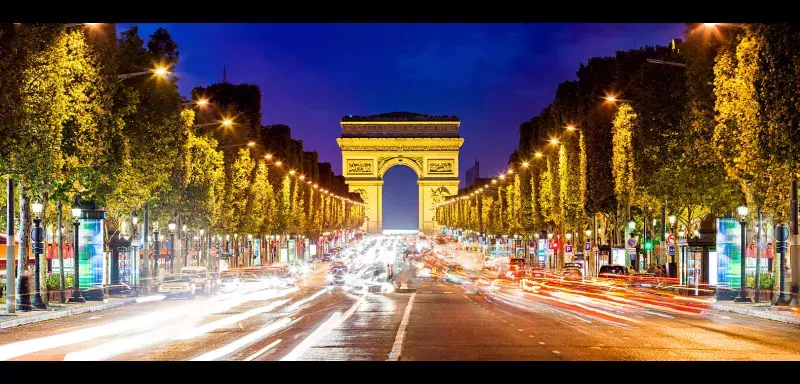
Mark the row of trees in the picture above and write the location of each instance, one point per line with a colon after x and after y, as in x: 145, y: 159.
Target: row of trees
x: 710, y: 125
x: 72, y: 128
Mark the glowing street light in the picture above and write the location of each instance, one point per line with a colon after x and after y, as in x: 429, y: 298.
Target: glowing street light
x: 554, y: 141
x: 525, y: 164
x: 611, y: 99
x: 571, y: 128
x: 158, y: 71
x: 268, y: 156
x: 538, y: 154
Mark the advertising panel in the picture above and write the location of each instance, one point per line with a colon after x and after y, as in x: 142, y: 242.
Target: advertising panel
x: 256, y: 252
x: 90, y: 255
x: 729, y: 254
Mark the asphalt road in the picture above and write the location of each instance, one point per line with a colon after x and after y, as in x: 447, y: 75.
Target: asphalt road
x: 317, y: 322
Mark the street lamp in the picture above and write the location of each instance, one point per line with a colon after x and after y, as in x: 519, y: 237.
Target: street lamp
x: 158, y: 71
x: 156, y: 248
x: 171, y: 246
x: 632, y: 224
x: 37, y: 237
x: 76, y: 290
x: 742, y: 211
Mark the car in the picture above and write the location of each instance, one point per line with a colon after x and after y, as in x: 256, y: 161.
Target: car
x: 177, y: 284
x: 203, y: 281
x: 327, y: 258
x: 616, y: 275
x: 337, y: 276
x: 229, y: 280
x: 572, y: 274
x: 537, y: 274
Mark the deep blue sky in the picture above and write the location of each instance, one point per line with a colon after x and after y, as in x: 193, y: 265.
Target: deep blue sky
x: 492, y: 76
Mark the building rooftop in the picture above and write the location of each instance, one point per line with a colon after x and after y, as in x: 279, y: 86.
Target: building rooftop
x: 399, y: 116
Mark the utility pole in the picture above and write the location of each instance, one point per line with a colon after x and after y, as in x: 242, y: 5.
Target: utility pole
x: 10, y: 278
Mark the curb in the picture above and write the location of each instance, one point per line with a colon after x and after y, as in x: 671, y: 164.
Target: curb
x: 59, y: 314
x: 758, y: 313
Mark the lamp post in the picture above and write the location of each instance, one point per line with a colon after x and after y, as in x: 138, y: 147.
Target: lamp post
x: 742, y: 298
x: 37, y: 237
x: 184, y: 250
x: 76, y: 290
x: 156, y: 250
x: 172, y: 247
x: 135, y: 251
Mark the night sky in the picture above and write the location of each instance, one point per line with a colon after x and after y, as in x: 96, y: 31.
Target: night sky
x: 492, y: 76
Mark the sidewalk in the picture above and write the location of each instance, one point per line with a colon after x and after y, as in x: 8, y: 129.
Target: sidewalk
x: 57, y: 310
x: 761, y: 310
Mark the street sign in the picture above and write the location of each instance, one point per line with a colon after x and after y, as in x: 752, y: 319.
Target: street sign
x: 587, y: 246
x: 632, y: 242
x: 671, y: 239
x: 568, y: 249
x: 671, y: 249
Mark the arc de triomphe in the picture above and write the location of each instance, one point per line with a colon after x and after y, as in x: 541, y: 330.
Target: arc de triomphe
x: 428, y: 145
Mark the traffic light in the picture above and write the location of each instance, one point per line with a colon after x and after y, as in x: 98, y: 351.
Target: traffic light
x: 648, y: 245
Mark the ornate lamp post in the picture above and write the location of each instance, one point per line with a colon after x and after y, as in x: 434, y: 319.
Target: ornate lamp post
x: 37, y: 237
x: 156, y: 249
x: 171, y: 246
x: 742, y: 298
x: 184, y: 249
x: 76, y: 290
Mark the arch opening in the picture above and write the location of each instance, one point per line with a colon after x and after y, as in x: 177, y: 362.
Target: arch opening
x: 400, y: 198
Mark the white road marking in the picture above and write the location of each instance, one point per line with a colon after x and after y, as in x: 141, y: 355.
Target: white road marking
x: 95, y: 317
x: 263, y: 350
x: 557, y: 352
x: 541, y: 342
x: 397, y: 348
x: 447, y: 292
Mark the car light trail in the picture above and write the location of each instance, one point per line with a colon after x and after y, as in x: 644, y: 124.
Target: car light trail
x: 307, y: 299
x: 246, y: 340
x: 263, y: 350
x: 206, y: 328
x: 321, y: 332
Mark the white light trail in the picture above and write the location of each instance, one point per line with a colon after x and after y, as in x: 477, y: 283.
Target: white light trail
x: 263, y: 350
x: 307, y: 299
x: 221, y: 323
x: 321, y: 332
x: 245, y: 341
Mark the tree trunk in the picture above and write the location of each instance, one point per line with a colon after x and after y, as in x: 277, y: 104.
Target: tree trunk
x: 24, y: 242
x: 60, y: 234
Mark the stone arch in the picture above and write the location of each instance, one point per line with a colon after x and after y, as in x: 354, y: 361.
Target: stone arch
x: 384, y: 164
x: 429, y: 145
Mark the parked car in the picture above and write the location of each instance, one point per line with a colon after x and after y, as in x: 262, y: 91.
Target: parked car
x: 203, y: 281
x: 177, y: 284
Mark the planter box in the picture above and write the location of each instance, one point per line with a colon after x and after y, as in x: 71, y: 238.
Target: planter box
x: 765, y: 296
x: 55, y: 296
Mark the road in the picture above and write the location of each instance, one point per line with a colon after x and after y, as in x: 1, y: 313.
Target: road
x: 438, y: 322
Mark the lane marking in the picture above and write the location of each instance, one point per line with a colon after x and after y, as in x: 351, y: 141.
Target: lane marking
x: 541, y: 342
x: 263, y: 350
x: 95, y: 317
x: 323, y: 330
x: 557, y: 352
x: 397, y: 348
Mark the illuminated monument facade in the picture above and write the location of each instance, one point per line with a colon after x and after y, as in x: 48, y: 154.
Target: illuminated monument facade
x: 429, y: 145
